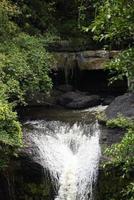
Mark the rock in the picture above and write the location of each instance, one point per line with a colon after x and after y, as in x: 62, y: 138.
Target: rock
x: 88, y: 54
x: 25, y: 178
x: 41, y: 99
x: 108, y: 100
x: 110, y: 136
x: 102, y: 54
x: 64, y: 60
x: 84, y: 102
x: 67, y: 98
x: 114, y: 53
x: 89, y: 60
x: 77, y: 100
x: 121, y: 105
x: 65, y: 88
x: 92, y: 63
x: 73, y: 45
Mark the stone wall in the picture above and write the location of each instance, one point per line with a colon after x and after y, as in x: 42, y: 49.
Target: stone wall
x: 84, y: 60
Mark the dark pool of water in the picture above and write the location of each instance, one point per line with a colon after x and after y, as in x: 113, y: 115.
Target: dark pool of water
x: 60, y: 114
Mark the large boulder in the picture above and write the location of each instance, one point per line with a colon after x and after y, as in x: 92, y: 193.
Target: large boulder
x: 108, y: 100
x: 121, y: 105
x: 77, y: 100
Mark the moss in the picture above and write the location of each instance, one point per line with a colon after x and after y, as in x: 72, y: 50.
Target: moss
x: 38, y: 189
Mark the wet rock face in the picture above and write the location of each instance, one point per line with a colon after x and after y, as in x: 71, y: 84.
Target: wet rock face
x: 25, y: 180
x: 65, y: 88
x: 31, y: 182
x: 4, y: 195
x: 121, y: 105
x: 110, y: 136
x: 77, y: 100
x: 85, y: 60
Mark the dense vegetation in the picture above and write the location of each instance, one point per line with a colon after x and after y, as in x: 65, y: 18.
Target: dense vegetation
x: 24, y: 68
x: 115, y: 24
x: 122, y: 155
x: 26, y: 29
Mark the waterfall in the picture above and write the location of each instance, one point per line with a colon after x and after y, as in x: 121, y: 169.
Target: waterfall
x: 71, y: 154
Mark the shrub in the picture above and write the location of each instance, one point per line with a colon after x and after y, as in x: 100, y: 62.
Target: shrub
x: 122, y: 154
x: 24, y: 67
x: 123, y: 66
x: 10, y: 133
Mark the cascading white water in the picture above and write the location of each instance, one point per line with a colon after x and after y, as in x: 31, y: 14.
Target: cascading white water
x: 71, y: 154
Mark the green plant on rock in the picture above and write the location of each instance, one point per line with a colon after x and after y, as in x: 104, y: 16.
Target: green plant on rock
x: 121, y: 154
x: 120, y: 122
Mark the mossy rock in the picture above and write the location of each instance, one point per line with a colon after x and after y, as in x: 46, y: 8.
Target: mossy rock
x: 39, y: 190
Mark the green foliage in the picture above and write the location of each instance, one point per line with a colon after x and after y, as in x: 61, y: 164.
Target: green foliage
x: 123, y: 65
x: 120, y: 122
x: 122, y: 153
x: 114, y: 20
x: 24, y: 62
x: 128, y: 192
x: 36, y: 16
x: 7, y: 26
x: 24, y: 67
x: 10, y: 129
x: 63, y: 17
x: 3, y: 95
x: 10, y: 133
x: 114, y: 23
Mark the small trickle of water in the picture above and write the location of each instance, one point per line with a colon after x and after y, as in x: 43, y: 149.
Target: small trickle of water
x: 71, y: 154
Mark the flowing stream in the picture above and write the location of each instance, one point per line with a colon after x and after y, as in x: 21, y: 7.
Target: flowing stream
x: 71, y: 153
